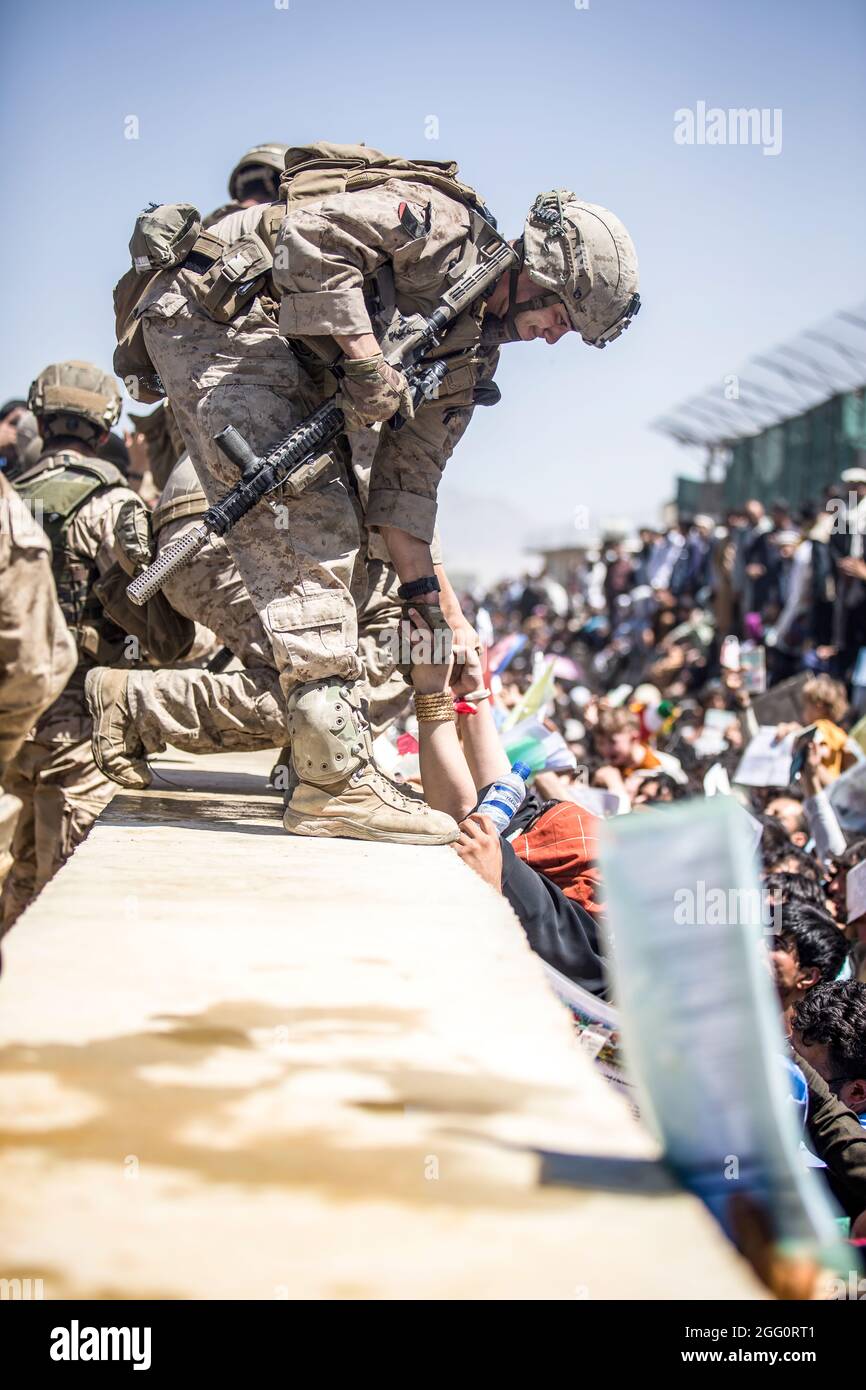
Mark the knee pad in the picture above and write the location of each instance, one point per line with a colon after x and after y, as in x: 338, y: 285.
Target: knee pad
x: 329, y: 731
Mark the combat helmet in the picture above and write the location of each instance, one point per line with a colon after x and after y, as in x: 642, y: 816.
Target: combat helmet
x: 74, y: 398
x: 584, y: 256
x: 250, y: 169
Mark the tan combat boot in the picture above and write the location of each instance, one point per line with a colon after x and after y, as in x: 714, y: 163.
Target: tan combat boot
x: 340, y: 793
x: 117, y: 749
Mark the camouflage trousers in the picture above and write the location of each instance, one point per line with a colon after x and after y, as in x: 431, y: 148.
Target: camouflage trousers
x: 62, y: 792
x: 211, y: 592
x: 299, y: 558
x: 233, y: 711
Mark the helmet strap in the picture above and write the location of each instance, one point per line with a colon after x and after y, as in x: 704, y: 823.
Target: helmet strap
x: 515, y: 306
x: 540, y: 301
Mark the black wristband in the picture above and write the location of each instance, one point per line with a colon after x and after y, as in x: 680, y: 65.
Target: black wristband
x: 419, y: 586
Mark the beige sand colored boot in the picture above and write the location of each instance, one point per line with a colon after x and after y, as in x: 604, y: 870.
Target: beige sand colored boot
x: 340, y: 793
x: 117, y: 749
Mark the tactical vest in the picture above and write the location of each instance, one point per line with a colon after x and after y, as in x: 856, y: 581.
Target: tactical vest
x: 55, y: 494
x: 323, y: 170
x: 230, y: 277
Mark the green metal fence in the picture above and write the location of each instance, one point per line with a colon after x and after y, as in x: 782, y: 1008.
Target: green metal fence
x: 799, y: 458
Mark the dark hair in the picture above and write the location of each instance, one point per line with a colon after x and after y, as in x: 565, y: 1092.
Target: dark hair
x: 792, y: 792
x: 775, y: 840
x: 816, y: 938
x: 8, y: 406
x: 664, y: 782
x: 807, y: 865
x: 793, y: 887
x: 835, y: 1014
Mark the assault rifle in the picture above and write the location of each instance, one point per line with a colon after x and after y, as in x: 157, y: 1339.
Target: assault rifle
x: 296, y: 461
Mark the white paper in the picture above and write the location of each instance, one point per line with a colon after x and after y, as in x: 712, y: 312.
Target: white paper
x: 595, y: 799
x: 597, y: 1025
x: 716, y: 781
x: 720, y: 719
x: 767, y: 760
x: 700, y: 1018
x: 710, y: 742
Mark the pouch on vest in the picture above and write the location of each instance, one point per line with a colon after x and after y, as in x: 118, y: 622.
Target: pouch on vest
x: 161, y: 239
x: 163, y: 236
x: 234, y: 279
x: 133, y: 536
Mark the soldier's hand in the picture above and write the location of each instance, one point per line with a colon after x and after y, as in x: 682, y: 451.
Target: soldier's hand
x: 427, y: 631
x: 430, y: 658
x: 372, y: 391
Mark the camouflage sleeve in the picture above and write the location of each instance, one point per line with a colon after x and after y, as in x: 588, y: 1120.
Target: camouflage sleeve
x: 91, y: 531
x: 407, y: 467
x: 37, y: 653
x: 326, y: 250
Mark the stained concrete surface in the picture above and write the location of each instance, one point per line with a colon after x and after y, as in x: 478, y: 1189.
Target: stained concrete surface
x: 239, y: 1064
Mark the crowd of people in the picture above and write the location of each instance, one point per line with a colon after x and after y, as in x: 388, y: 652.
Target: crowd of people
x: 668, y: 653
x: 637, y: 683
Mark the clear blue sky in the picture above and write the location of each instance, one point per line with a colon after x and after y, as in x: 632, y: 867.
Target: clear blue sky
x: 738, y: 250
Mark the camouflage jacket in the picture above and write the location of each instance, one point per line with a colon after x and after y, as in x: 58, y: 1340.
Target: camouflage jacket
x: 325, y: 267
x: 37, y: 653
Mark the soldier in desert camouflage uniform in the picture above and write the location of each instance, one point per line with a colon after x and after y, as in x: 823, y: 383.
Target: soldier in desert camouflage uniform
x: 78, y: 497
x: 200, y: 711
x: 37, y: 653
x: 578, y: 272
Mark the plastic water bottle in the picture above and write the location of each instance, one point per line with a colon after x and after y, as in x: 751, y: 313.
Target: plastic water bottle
x: 505, y: 795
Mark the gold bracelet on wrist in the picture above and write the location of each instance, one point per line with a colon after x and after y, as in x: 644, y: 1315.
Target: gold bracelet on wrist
x: 432, y: 707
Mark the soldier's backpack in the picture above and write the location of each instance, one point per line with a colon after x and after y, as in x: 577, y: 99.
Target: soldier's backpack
x: 230, y: 276
x: 162, y: 238
x: 312, y: 173
x: 322, y: 170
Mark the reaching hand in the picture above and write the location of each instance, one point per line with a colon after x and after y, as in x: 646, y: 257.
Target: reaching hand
x: 469, y: 675
x: 479, y: 848
x: 739, y: 694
